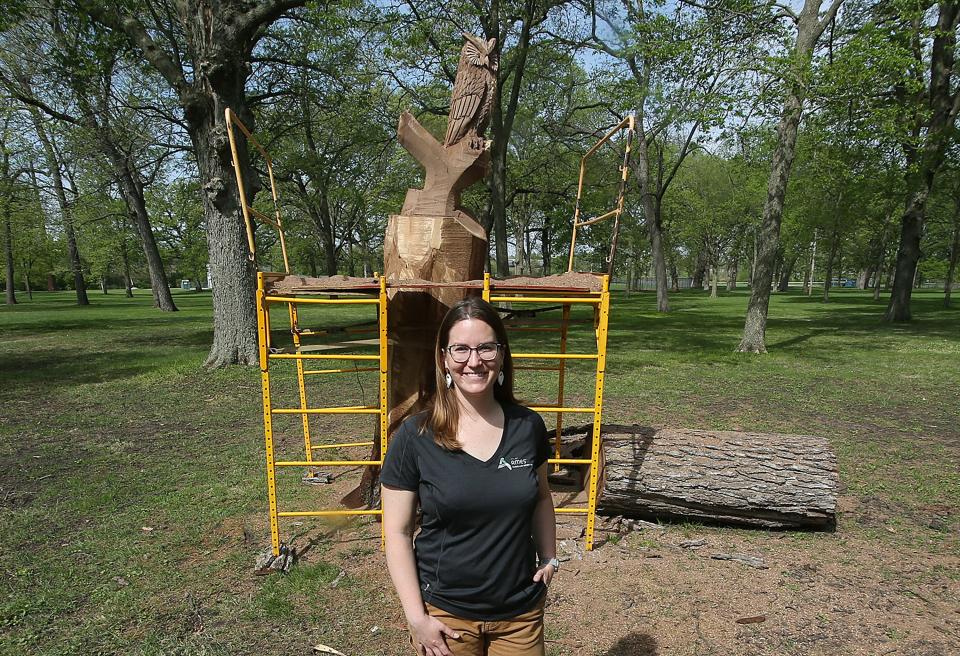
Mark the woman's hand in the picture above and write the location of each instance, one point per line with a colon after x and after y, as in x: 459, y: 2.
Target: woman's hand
x: 428, y: 636
x: 544, y: 574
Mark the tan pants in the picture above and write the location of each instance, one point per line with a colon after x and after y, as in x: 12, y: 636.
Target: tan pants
x: 518, y: 636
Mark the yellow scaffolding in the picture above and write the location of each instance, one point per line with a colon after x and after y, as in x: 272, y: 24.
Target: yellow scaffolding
x: 298, y: 354
x: 374, y: 292
x: 600, y: 300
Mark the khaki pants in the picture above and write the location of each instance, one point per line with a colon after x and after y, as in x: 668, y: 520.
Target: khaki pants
x: 518, y: 636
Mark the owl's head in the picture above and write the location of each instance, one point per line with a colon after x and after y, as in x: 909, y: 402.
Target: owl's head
x: 479, y: 52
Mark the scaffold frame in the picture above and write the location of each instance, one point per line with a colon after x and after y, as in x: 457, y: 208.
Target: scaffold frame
x: 374, y: 293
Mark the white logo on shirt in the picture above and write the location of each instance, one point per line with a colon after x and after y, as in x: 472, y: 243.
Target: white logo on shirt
x: 514, y: 463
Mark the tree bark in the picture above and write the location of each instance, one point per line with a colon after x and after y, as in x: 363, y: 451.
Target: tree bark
x: 699, y: 270
x: 651, y: 203
x: 942, y: 106
x: 809, y: 28
x: 125, y: 259
x: 720, y: 477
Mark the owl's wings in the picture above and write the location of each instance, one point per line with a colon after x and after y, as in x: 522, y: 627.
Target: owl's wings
x: 468, y: 91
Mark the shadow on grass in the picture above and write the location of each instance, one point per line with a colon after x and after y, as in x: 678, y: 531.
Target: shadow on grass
x: 634, y: 644
x: 56, y: 369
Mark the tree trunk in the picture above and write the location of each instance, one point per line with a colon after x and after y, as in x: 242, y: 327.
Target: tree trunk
x: 545, y: 248
x: 786, y: 273
x: 11, y: 293
x: 26, y: 284
x: 720, y: 477
x: 501, y: 125
x: 652, y: 203
x: 809, y: 29
x: 137, y: 206
x: 732, y: 266
x: 674, y: 275
x: 699, y: 270
x: 66, y: 211
x: 219, y: 38
x: 927, y: 159
x: 103, y: 284
x: 714, y: 274
x: 125, y: 259
x: 234, y: 309
x: 952, y: 270
x: 828, y: 277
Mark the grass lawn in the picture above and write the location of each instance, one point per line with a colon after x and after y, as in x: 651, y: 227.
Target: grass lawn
x: 133, y: 488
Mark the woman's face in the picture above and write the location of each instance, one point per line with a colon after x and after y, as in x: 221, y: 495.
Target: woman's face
x: 475, y: 376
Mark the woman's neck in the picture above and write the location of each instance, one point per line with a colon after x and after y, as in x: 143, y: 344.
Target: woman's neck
x: 483, y: 406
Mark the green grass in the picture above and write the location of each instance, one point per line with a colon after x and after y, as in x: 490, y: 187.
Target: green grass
x: 132, y: 480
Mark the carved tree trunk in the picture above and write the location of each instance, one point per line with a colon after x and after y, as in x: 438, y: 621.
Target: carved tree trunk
x: 435, y: 240
x: 726, y: 477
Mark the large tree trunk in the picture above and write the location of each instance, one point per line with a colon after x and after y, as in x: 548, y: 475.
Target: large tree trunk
x: 809, y: 29
x: 908, y: 255
x: 234, y: 311
x: 786, y: 272
x: 501, y: 124
x: 699, y: 269
x: 219, y: 40
x: 732, y: 266
x: 943, y: 105
x: 651, y: 204
x: 726, y: 477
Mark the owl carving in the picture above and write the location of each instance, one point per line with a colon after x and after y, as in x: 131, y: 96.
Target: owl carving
x: 473, y: 92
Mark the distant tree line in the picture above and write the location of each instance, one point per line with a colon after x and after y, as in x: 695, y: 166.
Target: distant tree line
x: 776, y: 143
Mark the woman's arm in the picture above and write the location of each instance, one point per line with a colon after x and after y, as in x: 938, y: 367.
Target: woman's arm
x: 399, y: 516
x: 544, y: 526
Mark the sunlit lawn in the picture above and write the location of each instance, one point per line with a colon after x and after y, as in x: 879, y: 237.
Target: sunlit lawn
x: 132, y: 481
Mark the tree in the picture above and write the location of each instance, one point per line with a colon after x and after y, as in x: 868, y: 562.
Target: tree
x: 679, y: 68
x: 810, y: 25
x: 203, y: 50
x: 933, y: 126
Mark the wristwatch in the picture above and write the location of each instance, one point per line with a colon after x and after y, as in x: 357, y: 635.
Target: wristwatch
x: 551, y: 561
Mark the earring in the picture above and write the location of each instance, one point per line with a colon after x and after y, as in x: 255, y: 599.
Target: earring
x: 500, y: 378
x: 448, y: 379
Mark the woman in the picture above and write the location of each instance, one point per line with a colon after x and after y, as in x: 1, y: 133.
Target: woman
x: 475, y: 463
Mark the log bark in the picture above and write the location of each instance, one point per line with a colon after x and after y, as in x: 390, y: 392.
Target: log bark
x: 721, y: 477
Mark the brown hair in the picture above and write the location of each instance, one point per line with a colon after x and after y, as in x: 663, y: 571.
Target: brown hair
x: 443, y: 414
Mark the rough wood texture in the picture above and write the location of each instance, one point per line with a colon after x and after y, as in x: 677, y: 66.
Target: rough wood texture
x: 448, y: 171
x: 727, y: 477
x: 439, y: 249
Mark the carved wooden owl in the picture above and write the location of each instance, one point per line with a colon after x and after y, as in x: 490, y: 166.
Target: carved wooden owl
x: 473, y: 92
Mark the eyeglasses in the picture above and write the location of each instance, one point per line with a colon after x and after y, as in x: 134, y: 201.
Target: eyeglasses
x: 487, y: 351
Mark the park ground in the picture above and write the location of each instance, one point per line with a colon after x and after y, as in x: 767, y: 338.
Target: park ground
x: 133, y: 497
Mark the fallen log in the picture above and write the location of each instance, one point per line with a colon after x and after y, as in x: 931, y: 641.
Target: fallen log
x: 724, y: 477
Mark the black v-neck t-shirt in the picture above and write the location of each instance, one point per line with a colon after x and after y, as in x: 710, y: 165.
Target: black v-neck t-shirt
x: 475, y: 551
